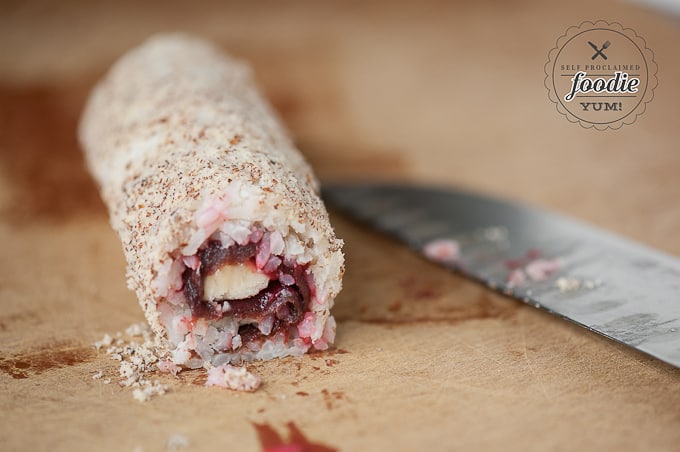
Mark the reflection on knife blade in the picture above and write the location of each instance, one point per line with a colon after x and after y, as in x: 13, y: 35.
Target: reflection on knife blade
x: 606, y: 283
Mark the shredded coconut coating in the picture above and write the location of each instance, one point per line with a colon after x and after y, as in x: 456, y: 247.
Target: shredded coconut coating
x: 176, y: 125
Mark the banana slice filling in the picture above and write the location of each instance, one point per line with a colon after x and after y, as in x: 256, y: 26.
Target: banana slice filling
x: 228, y: 283
x: 234, y: 282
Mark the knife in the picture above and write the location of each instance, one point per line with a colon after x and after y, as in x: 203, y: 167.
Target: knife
x: 611, y: 285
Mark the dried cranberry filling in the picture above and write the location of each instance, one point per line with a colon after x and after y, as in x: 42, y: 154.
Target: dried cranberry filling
x: 286, y: 303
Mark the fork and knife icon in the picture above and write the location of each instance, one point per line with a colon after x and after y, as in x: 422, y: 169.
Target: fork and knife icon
x: 598, y: 52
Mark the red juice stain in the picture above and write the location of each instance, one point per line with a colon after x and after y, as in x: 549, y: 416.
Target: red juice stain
x: 317, y: 354
x: 407, y: 281
x: 45, y: 357
x: 426, y: 293
x: 329, y: 397
x: 271, y: 440
x: 41, y: 156
x: 394, y: 306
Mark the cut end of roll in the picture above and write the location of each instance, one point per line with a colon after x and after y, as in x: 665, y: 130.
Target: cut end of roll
x: 249, y: 290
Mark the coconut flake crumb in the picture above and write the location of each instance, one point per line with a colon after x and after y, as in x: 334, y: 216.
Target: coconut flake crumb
x: 590, y: 284
x: 567, y: 284
x: 138, y: 358
x: 570, y: 284
x: 137, y: 330
x: 176, y: 442
x: 495, y: 233
x: 231, y: 377
x: 106, y: 341
x: 168, y: 366
x: 147, y: 391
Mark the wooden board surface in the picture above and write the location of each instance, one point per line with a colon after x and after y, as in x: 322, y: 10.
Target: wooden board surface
x: 425, y: 360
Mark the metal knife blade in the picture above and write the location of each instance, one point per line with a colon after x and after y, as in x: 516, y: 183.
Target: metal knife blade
x: 611, y: 285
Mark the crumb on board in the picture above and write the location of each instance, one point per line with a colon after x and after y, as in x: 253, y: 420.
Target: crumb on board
x: 147, y: 391
x: 139, y: 358
x: 106, y: 341
x: 230, y: 377
x: 177, y: 441
x: 167, y: 366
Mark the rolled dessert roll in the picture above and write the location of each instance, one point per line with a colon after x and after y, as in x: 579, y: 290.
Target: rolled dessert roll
x: 228, y: 245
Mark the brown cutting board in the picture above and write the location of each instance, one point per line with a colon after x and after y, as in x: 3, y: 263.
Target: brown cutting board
x: 425, y: 360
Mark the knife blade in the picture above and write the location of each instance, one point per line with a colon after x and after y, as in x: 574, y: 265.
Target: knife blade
x: 611, y: 285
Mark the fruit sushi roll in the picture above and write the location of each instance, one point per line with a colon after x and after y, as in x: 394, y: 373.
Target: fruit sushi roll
x: 228, y: 245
